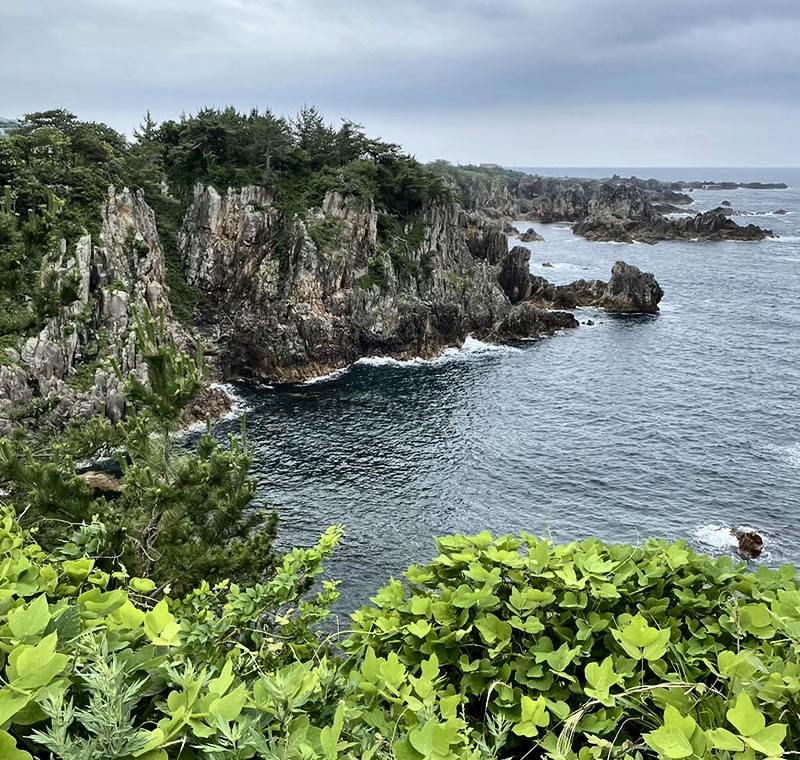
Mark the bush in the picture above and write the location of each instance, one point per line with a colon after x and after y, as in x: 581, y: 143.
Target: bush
x: 651, y: 649
x: 498, y: 648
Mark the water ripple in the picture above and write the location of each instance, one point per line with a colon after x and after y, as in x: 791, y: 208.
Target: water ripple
x: 683, y: 425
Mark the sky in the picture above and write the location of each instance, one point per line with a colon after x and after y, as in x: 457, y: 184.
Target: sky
x: 518, y: 82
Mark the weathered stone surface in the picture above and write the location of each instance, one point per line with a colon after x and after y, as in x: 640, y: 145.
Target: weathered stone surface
x: 514, y: 276
x: 334, y: 295
x: 750, y: 543
x: 526, y: 320
x: 531, y: 236
x: 628, y: 291
x: 123, y: 272
x: 211, y: 403
x: 646, y: 226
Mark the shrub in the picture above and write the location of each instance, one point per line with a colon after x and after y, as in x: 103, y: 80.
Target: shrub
x: 628, y: 649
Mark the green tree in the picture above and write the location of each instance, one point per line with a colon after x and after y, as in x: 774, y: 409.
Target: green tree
x: 178, y: 516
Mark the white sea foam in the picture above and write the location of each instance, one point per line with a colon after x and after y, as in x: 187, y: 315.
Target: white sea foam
x: 789, y: 454
x: 238, y: 405
x: 719, y: 540
x: 472, y: 347
x: 715, y: 538
x: 324, y: 378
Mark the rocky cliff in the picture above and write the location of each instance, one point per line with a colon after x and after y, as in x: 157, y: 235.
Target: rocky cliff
x: 291, y: 306
x: 66, y: 368
x: 289, y: 299
x: 615, y: 209
x: 628, y: 291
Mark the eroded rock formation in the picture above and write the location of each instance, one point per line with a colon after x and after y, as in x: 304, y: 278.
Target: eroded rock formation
x: 67, y: 365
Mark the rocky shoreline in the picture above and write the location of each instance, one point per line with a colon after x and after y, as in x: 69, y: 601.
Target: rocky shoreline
x: 288, y: 303
x: 611, y: 210
x: 289, y: 300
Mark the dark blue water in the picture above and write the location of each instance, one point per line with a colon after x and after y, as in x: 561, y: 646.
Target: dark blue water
x: 681, y: 425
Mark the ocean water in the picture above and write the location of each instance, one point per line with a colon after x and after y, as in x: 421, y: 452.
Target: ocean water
x: 681, y: 425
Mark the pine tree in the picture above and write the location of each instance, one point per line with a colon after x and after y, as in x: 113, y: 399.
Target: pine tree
x: 176, y: 516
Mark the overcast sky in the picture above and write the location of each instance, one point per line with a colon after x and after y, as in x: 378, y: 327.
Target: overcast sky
x: 518, y: 82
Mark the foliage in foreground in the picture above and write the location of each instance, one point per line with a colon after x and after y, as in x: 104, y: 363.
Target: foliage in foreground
x: 498, y: 648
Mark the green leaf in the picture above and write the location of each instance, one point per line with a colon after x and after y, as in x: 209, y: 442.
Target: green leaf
x: 78, y: 569
x: 142, y: 585
x: 30, y: 667
x: 433, y: 739
x: 768, y: 741
x: 27, y: 623
x: 160, y: 625
x: 11, y: 703
x: 534, y: 716
x: 393, y: 671
x: 329, y: 736
x: 8, y: 748
x: 421, y: 628
x: 670, y: 742
x: 745, y: 718
x: 493, y: 629
x: 229, y: 706
x: 723, y: 739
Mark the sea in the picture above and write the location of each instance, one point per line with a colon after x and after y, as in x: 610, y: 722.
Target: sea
x: 683, y: 425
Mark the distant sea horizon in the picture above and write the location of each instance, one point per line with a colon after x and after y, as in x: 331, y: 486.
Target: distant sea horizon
x: 787, y: 174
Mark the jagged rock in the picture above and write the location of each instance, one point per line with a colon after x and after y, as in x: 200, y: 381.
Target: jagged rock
x: 700, y: 185
x: 209, y: 404
x: 332, y: 295
x: 547, y: 264
x: 531, y: 236
x: 628, y: 291
x: 750, y: 543
x: 725, y: 203
x: 780, y: 212
x: 123, y: 271
x: 650, y: 228
x: 526, y: 320
x: 553, y: 199
x: 486, y: 240
x: 103, y: 483
x: 515, y: 274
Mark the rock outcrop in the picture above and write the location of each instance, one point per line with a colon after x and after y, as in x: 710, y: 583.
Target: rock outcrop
x: 292, y: 306
x: 526, y: 320
x: 66, y: 367
x: 614, y: 209
x: 700, y: 185
x: 750, y: 543
x: 629, y: 291
x: 609, y: 223
x: 211, y: 403
x: 531, y: 236
x: 515, y: 274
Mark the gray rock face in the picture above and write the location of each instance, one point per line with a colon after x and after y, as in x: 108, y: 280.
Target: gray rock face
x: 124, y: 272
x: 526, y: 320
x: 515, y: 274
x: 334, y: 294
x: 531, y: 236
x: 648, y: 227
x: 628, y: 291
x: 615, y: 209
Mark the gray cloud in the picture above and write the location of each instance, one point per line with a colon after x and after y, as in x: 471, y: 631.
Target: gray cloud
x: 519, y: 81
